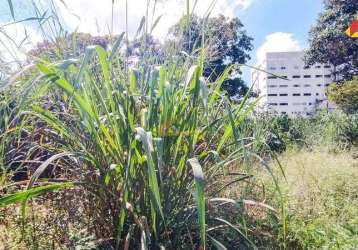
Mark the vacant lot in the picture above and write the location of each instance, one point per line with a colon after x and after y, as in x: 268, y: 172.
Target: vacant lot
x: 322, y: 201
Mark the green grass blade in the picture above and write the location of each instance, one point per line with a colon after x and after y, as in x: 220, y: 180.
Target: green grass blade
x: 217, y: 86
x: 88, y: 56
x: 141, y: 25
x: 218, y: 245
x: 190, y: 76
x: 62, y: 83
x: 204, y: 93
x: 43, y: 166
x: 253, y: 246
x: 155, y: 23
x: 116, y: 46
x: 132, y: 82
x: 22, y: 196
x: 11, y: 7
x: 231, y: 128
x: 146, y: 139
x: 199, y: 197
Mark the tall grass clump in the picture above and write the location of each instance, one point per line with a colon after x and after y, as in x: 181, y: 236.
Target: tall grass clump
x: 136, y: 152
x: 137, y: 149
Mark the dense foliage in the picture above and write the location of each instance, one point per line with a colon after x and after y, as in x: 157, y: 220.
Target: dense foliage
x: 281, y: 133
x: 345, y: 95
x: 328, y: 42
x: 226, y: 43
x: 69, y: 46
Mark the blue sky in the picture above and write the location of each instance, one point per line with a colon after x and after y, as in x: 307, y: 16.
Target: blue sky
x: 291, y: 16
x: 274, y: 24
x: 266, y: 17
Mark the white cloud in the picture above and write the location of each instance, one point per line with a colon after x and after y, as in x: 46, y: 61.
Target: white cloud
x: 95, y: 16
x: 15, y: 41
x: 277, y: 42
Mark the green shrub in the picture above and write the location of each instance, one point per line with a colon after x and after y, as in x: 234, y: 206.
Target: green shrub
x: 345, y: 95
x: 278, y: 133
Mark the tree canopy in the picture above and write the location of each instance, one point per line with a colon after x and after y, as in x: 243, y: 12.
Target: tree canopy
x: 345, y: 95
x: 73, y: 44
x: 328, y: 42
x: 225, y: 42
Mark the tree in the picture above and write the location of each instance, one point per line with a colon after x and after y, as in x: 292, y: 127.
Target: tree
x: 71, y: 45
x: 226, y: 42
x: 345, y: 95
x: 146, y: 49
x: 141, y: 49
x: 328, y: 42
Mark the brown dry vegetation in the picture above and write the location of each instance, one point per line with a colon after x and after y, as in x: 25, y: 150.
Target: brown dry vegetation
x: 321, y: 198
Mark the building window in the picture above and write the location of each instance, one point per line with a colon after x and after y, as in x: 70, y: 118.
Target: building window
x: 272, y: 68
x: 283, y: 86
x: 299, y: 103
x: 296, y: 94
x: 319, y: 76
x: 327, y: 66
x: 273, y: 104
x: 319, y: 85
x: 307, y: 85
x: 283, y: 104
x: 296, y: 85
x: 310, y: 103
x: 283, y: 94
x: 307, y: 94
x: 272, y: 94
x: 327, y: 76
x: 307, y: 76
x: 271, y: 77
x: 272, y: 86
x: 283, y: 112
x: 317, y: 94
x: 306, y: 67
x: 283, y: 67
x: 327, y: 84
x: 296, y: 76
x: 318, y: 67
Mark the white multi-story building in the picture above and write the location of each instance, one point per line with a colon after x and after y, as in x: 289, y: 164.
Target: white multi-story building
x: 293, y: 88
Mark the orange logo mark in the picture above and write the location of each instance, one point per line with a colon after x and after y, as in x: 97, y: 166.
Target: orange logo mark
x: 352, y: 31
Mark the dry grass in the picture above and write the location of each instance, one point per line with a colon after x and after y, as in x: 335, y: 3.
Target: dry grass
x: 312, y: 175
x: 322, y: 200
